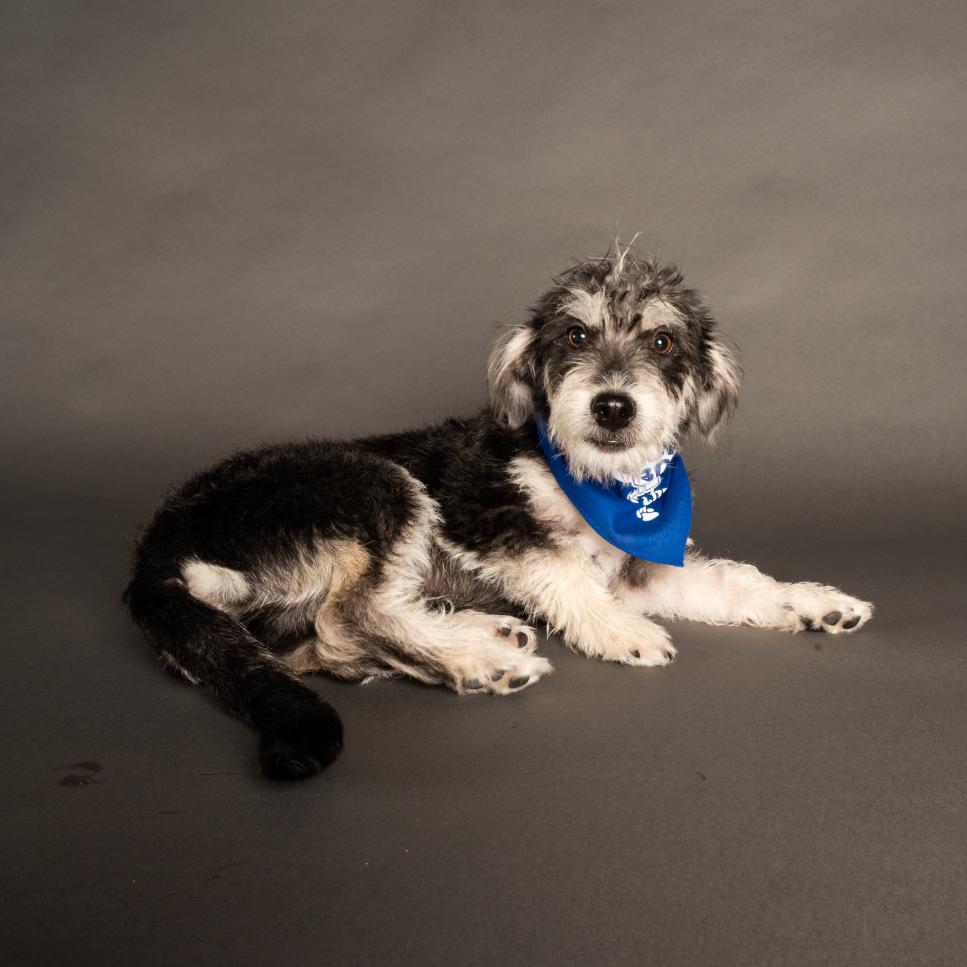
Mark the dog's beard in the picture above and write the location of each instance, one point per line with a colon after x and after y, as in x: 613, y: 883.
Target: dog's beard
x: 595, y: 453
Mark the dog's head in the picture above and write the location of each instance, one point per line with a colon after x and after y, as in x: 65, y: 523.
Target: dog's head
x: 623, y: 359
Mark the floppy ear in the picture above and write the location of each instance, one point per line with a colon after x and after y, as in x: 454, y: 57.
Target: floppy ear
x: 511, y: 376
x: 719, y: 395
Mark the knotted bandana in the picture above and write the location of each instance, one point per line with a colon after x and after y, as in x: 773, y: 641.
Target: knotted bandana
x: 647, y: 515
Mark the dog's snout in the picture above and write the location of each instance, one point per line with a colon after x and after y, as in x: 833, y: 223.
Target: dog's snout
x: 613, y: 411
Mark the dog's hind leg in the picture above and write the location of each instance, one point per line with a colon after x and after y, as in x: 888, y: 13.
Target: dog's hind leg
x: 457, y: 649
x: 732, y: 593
x: 409, y: 634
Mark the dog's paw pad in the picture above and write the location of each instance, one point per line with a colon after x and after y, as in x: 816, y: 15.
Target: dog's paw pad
x: 503, y: 671
x: 521, y: 635
x: 814, y: 607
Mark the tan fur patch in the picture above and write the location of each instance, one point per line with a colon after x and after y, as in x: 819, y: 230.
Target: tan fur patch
x: 335, y: 644
x: 221, y: 587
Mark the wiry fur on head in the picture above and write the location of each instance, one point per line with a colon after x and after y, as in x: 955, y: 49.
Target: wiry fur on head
x: 622, y: 300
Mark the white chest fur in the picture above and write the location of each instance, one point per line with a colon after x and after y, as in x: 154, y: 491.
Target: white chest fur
x: 550, y: 505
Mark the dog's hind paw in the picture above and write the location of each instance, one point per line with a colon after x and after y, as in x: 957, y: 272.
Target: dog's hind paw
x: 515, y: 632
x: 508, y: 629
x: 503, y: 671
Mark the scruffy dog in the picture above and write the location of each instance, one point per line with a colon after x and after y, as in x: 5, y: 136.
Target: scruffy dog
x: 390, y: 555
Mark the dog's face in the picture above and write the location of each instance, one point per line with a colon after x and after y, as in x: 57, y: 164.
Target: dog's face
x: 623, y: 359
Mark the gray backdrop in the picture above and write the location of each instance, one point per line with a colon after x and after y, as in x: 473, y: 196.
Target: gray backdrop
x: 224, y: 223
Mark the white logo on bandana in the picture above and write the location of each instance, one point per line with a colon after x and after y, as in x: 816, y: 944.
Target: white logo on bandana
x: 647, y: 487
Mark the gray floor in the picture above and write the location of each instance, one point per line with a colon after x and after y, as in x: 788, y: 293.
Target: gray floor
x: 235, y: 221
x: 768, y: 799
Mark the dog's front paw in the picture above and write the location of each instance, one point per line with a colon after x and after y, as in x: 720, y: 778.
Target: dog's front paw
x: 647, y: 646
x: 650, y: 657
x: 816, y: 607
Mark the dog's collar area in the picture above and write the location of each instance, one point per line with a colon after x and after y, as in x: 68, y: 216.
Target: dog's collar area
x: 647, y: 515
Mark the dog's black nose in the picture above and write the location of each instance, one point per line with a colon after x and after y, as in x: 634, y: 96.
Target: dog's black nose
x: 613, y: 411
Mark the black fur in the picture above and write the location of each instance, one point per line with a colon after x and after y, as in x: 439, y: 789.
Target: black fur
x: 269, y: 505
x: 300, y: 734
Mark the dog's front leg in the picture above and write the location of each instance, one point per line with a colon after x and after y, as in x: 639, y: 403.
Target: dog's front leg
x: 731, y: 593
x: 568, y: 591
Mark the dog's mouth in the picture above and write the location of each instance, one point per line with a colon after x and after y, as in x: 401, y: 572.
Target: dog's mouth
x: 611, y: 444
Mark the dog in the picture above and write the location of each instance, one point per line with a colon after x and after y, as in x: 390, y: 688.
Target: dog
x: 431, y: 553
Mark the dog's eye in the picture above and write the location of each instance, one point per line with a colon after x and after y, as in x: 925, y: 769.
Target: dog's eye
x: 576, y: 337
x: 662, y: 343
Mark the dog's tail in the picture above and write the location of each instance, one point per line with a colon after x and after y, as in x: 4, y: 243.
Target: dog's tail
x: 299, y: 733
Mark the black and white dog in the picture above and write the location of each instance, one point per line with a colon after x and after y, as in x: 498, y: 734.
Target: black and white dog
x: 402, y: 554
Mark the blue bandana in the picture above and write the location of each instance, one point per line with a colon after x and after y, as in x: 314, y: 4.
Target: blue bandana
x: 646, y: 516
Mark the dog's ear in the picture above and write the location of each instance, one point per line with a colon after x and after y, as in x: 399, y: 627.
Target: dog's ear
x: 511, y: 376
x: 719, y: 394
